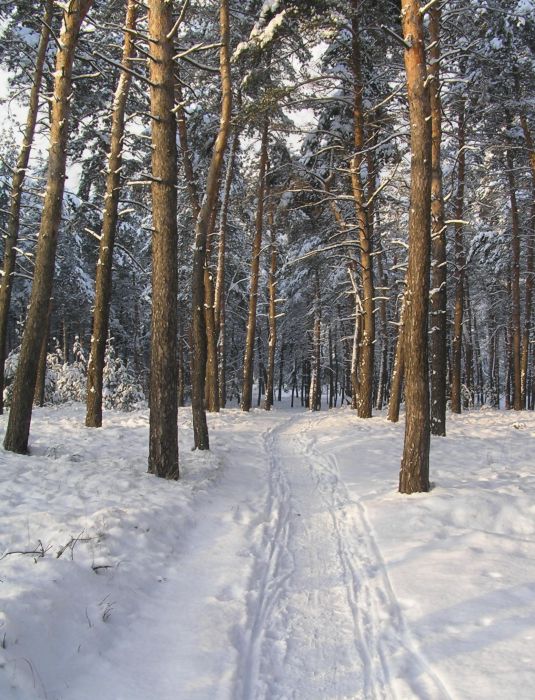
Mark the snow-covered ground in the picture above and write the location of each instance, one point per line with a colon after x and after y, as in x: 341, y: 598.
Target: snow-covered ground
x: 283, y: 565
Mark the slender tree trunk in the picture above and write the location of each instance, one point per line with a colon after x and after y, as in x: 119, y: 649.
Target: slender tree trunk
x: 40, y: 384
x: 460, y: 264
x: 398, y: 372
x: 247, y: 387
x: 414, y: 473
x: 181, y: 368
x: 478, y: 365
x: 497, y: 369
x: 211, y: 390
x: 272, y: 307
x: 383, y: 311
x: 508, y: 370
x: 516, y: 381
x: 20, y: 415
x: 331, y: 370
x: 219, y: 292
x: 315, y: 385
x: 367, y: 337
x: 468, y: 351
x: 13, y: 224
x: 530, y: 260
x: 281, y: 370
x: 438, y: 300
x: 163, y: 433
x: 95, y: 367
x: 200, y: 428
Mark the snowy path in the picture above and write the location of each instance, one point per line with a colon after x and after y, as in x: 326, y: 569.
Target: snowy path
x: 283, y: 565
x: 324, y: 622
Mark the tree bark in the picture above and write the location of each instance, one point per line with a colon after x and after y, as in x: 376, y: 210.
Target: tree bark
x: 530, y: 258
x: 516, y: 379
x: 439, y: 320
x: 103, y: 281
x: 414, y: 473
x: 272, y: 307
x: 13, y: 224
x: 398, y: 373
x: 367, y: 335
x: 315, y: 384
x: 247, y: 386
x: 20, y: 415
x: 219, y: 292
x: 163, y: 432
x: 202, y: 229
x: 460, y: 264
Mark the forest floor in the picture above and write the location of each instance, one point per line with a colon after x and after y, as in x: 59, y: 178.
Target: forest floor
x: 283, y: 564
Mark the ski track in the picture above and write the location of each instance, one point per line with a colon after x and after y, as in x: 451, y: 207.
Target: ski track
x: 323, y: 621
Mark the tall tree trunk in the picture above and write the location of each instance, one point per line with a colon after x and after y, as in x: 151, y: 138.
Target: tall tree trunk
x: 211, y: 389
x: 468, y: 351
x: 20, y: 415
x: 367, y: 337
x: 438, y: 300
x: 516, y: 379
x: 414, y: 473
x: 247, y: 387
x: 315, y: 385
x: 219, y: 293
x: 202, y: 229
x: 272, y: 307
x: 530, y: 259
x: 13, y: 224
x: 460, y: 264
x: 383, y: 311
x: 95, y: 366
x: 163, y: 432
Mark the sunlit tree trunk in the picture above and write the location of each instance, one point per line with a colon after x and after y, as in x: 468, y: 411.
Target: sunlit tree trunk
x: 13, y: 223
x: 202, y: 230
x: 367, y: 335
x: 414, y: 473
x: 20, y: 415
x: 163, y: 432
x: 95, y: 366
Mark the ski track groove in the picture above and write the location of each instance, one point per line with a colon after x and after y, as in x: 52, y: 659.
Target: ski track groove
x: 380, y: 631
x: 268, y: 571
x: 371, y: 582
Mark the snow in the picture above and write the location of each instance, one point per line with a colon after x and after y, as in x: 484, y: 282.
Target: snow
x: 283, y: 564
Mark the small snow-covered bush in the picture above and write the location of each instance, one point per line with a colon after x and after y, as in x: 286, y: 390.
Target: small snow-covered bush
x: 121, y: 389
x: 10, y: 367
x: 68, y: 381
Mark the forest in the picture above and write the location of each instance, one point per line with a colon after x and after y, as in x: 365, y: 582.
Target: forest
x: 279, y: 253
x: 308, y: 197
